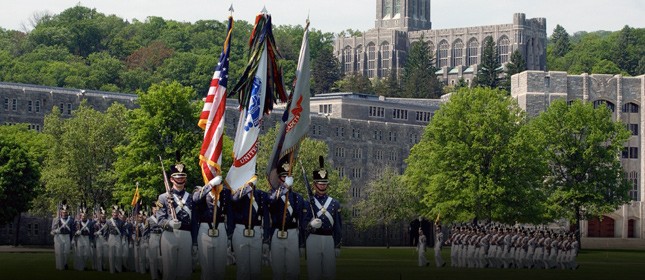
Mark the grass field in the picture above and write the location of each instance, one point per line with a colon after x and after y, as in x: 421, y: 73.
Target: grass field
x: 368, y: 264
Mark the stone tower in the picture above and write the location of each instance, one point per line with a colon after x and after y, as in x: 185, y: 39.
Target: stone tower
x: 407, y: 15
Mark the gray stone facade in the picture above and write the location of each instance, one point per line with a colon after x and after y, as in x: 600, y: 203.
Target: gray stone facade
x: 457, y: 51
x: 534, y: 90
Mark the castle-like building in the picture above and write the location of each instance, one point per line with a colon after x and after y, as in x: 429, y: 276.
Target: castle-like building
x: 457, y: 51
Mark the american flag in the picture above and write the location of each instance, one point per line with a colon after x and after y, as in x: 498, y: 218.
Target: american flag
x: 212, y: 116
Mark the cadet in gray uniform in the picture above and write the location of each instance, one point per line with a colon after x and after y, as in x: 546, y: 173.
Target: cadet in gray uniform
x: 421, y: 249
x: 62, y: 227
x: 325, y: 229
x: 114, y: 226
x: 84, y: 230
x: 154, y: 241
x: 437, y: 247
x: 100, y: 237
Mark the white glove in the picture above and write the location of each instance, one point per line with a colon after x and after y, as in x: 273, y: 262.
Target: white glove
x: 53, y: 232
x: 316, y: 223
x: 175, y: 224
x: 215, y: 181
x: 337, y: 252
x: 288, y: 181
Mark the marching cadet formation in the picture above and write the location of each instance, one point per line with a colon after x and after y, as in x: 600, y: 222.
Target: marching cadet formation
x: 213, y: 225
x: 511, y: 247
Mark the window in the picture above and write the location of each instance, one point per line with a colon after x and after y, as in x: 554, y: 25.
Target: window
x: 325, y: 109
x: 347, y: 56
x: 61, y: 107
x: 385, y: 59
x: 633, y: 192
x: 609, y: 105
x: 633, y: 152
x: 37, y: 106
x: 378, y: 155
x: 442, y: 54
x: 371, y: 60
x: 316, y: 129
x: 355, y: 212
x: 424, y: 116
x: 356, y: 133
x: 378, y: 112
x: 357, y: 173
x: 340, y: 131
x: 414, y: 138
x: 633, y: 128
x: 358, y: 153
x: 29, y: 105
x: 29, y: 231
x: 502, y: 49
x: 630, y: 108
x: 393, y: 136
x: 393, y: 155
x: 400, y: 114
x: 14, y: 104
x: 340, y: 152
x: 473, y: 51
x: 378, y: 135
x: 341, y: 172
x: 35, y: 229
x: 6, y: 103
x: 625, y: 152
x: 457, y: 53
x: 359, y: 60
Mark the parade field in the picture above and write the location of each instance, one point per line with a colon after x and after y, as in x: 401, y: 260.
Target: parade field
x: 367, y: 263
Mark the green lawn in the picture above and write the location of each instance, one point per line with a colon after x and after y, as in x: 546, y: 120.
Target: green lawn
x: 369, y: 264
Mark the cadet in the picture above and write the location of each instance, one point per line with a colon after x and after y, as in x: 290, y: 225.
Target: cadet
x: 325, y: 229
x: 62, y: 227
x: 154, y: 240
x: 437, y: 247
x: 177, y: 239
x: 286, y: 208
x: 213, y: 210
x: 100, y: 237
x: 140, y: 243
x: 84, y: 230
x: 421, y: 249
x: 114, y: 226
x: 251, y: 235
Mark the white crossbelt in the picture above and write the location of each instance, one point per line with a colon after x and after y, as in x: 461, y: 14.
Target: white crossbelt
x: 255, y: 204
x: 288, y: 205
x: 323, y: 209
x: 181, y: 203
x: 84, y: 226
x: 64, y: 222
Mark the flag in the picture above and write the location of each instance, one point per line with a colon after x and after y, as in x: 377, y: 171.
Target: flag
x: 137, y: 208
x: 296, y: 118
x: 136, y: 196
x: 260, y: 85
x: 212, y: 116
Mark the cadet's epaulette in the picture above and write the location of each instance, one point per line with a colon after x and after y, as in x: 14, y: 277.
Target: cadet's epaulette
x: 158, y: 203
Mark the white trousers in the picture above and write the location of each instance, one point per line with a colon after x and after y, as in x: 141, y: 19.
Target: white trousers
x: 62, y: 246
x: 212, y: 252
x: 154, y: 255
x: 83, y: 252
x: 248, y: 253
x: 285, y: 255
x: 176, y: 255
x: 140, y: 256
x: 100, y: 253
x: 321, y: 258
x: 114, y: 253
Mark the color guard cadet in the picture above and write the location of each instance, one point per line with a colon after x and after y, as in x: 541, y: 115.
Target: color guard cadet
x: 84, y: 229
x: 100, y: 239
x: 154, y: 241
x: 437, y: 247
x: 325, y: 229
x: 114, y: 240
x: 251, y: 235
x: 287, y: 230
x: 62, y: 227
x: 214, y: 212
x: 177, y: 238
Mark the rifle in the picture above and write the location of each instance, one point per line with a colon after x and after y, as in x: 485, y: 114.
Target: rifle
x: 167, y: 185
x: 309, y: 192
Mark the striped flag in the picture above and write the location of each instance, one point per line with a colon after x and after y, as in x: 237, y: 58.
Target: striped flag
x: 296, y: 118
x: 136, y: 196
x: 212, y: 116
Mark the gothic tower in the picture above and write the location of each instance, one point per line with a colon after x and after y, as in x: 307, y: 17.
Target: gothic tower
x: 405, y: 15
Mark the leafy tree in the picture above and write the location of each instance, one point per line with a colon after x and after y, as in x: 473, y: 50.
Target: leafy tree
x: 419, y: 78
x: 470, y: 164
x: 165, y: 123
x: 560, y: 41
x: 490, y: 67
x: 387, y: 203
x: 354, y: 82
x: 516, y: 65
x: 605, y: 67
x: 150, y: 57
x: 308, y: 154
x: 325, y: 72
x: 580, y: 145
x: 627, y: 51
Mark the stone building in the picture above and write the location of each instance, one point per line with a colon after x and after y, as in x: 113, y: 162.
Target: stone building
x: 534, y: 90
x: 457, y: 51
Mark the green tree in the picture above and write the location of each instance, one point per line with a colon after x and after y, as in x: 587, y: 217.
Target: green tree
x: 490, y: 67
x: 419, y: 78
x: 165, y: 123
x: 470, y: 164
x: 354, y: 82
x: 325, y: 72
x: 581, y: 145
x: 626, y: 52
x: 386, y: 203
x: 560, y: 41
x: 516, y: 65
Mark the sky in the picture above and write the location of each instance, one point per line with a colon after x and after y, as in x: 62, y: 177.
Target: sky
x: 338, y: 15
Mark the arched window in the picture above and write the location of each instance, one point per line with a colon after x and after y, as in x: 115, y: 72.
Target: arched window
x: 442, y: 54
x: 473, y: 52
x: 371, y: 60
x: 385, y: 59
x: 609, y: 105
x: 503, y: 49
x: 348, y: 58
x: 359, y: 60
x: 457, y: 53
